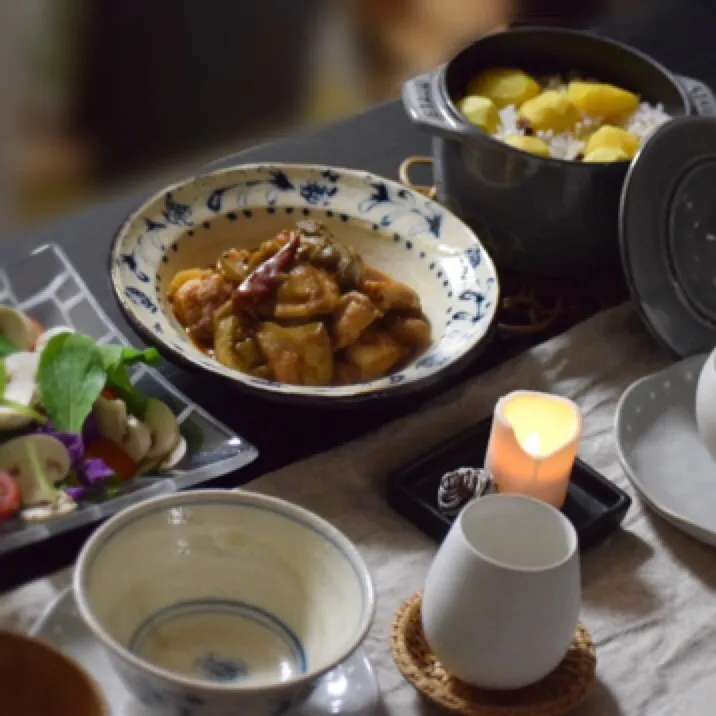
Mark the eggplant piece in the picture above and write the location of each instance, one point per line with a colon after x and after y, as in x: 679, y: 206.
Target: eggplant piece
x: 306, y: 293
x: 300, y: 355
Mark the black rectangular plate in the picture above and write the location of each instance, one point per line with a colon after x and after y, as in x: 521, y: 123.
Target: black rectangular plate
x: 595, y: 506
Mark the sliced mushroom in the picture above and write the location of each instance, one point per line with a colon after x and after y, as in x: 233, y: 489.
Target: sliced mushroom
x: 124, y: 430
x: 163, y: 427
x: 63, y: 506
x: 44, y: 338
x: 54, y: 460
x: 112, y: 420
x: 20, y: 388
x: 175, y: 456
x: 137, y: 441
x: 17, y: 328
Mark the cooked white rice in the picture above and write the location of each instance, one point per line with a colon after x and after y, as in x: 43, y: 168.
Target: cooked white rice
x: 570, y: 145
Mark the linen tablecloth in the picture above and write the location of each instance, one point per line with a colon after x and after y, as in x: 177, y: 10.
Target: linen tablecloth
x: 649, y: 592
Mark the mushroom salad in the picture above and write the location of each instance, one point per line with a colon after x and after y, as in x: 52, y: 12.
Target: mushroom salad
x: 72, y: 425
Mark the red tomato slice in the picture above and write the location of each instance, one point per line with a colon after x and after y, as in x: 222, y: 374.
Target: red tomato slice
x: 114, y: 457
x: 9, y: 496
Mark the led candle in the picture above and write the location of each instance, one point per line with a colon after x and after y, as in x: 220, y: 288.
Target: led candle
x: 533, y: 445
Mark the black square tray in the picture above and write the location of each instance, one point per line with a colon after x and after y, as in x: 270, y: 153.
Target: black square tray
x: 594, y: 505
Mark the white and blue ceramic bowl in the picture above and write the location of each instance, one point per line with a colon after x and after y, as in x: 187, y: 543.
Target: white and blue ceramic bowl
x: 395, y: 229
x: 214, y: 603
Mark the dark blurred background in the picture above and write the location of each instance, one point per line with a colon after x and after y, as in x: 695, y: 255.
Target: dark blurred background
x: 102, y: 94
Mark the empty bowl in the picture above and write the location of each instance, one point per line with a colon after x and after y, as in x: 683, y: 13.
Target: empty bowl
x: 219, y: 603
x: 396, y: 230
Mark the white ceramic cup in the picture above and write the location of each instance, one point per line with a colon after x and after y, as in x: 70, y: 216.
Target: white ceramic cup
x: 706, y: 404
x: 502, y: 598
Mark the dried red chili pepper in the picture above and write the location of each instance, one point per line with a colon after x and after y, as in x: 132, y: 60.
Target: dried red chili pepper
x: 262, y: 281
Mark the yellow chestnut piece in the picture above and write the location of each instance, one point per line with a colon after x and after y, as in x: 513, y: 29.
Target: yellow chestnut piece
x: 613, y: 137
x: 504, y: 86
x: 550, y: 110
x: 602, y: 100
x: 533, y: 145
x: 481, y: 112
x: 607, y: 154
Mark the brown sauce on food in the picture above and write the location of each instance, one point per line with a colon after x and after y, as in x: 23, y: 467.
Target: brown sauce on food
x: 301, y: 308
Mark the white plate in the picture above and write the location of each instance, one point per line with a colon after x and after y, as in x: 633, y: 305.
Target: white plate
x: 349, y: 689
x: 661, y: 451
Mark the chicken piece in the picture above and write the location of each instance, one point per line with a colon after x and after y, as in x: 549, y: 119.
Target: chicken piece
x: 307, y: 292
x: 354, y: 314
x: 388, y: 294
x: 195, y: 302
x: 181, y: 277
x: 410, y: 331
x: 299, y: 355
x: 374, y: 354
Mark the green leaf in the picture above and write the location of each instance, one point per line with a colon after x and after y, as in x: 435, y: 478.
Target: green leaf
x: 150, y: 356
x: 119, y: 382
x: 111, y: 356
x: 6, y: 347
x: 115, y: 359
x: 70, y: 378
x: 114, y: 355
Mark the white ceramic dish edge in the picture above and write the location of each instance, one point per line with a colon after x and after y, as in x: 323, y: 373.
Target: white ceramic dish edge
x: 700, y: 533
x: 165, y: 217
x: 318, y: 523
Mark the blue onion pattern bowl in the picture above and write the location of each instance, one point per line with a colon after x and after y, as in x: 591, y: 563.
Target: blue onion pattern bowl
x: 395, y: 229
x: 235, y: 603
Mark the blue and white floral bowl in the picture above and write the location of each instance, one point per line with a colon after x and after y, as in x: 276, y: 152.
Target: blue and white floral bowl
x: 395, y: 229
x: 216, y: 603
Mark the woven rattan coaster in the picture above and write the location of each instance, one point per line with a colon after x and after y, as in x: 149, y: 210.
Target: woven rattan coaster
x: 556, y: 694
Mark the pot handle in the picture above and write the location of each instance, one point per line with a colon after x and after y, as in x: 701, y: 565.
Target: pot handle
x: 702, y: 98
x: 421, y: 103
x: 404, y: 175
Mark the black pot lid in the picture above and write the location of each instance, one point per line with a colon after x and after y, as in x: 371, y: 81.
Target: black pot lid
x: 668, y: 234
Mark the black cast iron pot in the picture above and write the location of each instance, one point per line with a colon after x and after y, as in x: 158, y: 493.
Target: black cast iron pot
x: 542, y: 216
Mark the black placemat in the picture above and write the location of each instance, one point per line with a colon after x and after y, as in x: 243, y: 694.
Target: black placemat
x: 595, y: 505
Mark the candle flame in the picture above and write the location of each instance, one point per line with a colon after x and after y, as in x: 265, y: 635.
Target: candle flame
x: 531, y: 444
